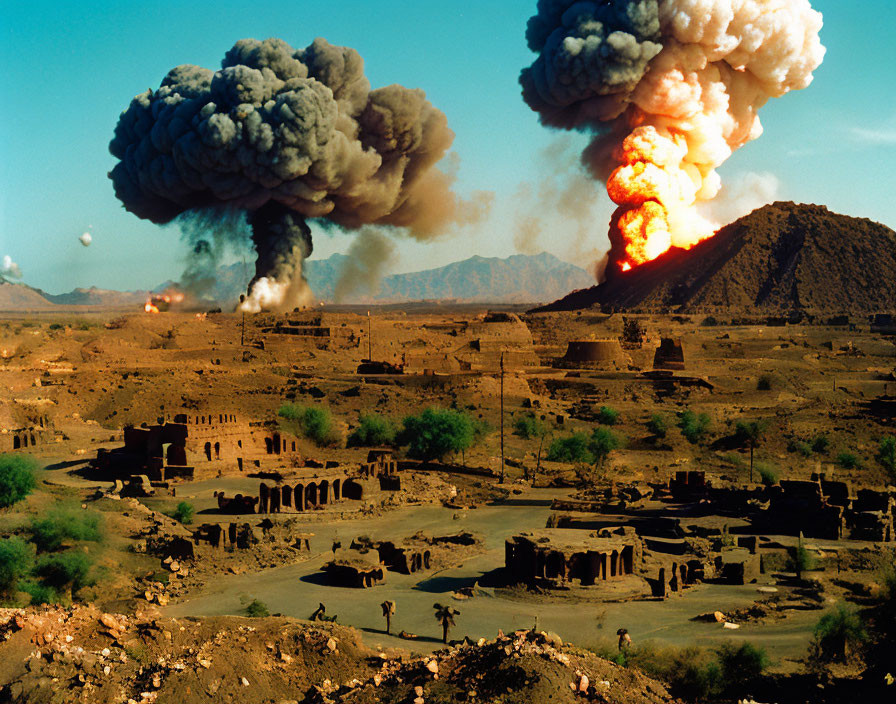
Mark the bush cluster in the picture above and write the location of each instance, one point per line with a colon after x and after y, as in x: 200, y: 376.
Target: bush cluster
x: 312, y: 422
x: 16, y: 478
x: 374, y: 431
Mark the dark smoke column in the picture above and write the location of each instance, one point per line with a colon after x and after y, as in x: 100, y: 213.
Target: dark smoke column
x: 284, y: 136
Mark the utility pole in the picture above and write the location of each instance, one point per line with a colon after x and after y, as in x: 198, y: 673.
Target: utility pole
x: 369, y: 338
x: 243, y: 328
x: 502, y: 416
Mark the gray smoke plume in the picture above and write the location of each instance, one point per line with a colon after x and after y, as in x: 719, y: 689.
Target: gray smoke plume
x: 369, y: 255
x: 285, y: 136
x: 591, y: 55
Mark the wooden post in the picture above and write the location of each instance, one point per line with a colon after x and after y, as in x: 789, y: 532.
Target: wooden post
x: 502, y: 417
x: 369, y: 338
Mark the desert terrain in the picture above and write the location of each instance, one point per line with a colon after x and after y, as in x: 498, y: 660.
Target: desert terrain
x: 282, y: 518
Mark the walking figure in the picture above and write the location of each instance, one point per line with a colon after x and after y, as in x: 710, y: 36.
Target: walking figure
x: 625, y: 640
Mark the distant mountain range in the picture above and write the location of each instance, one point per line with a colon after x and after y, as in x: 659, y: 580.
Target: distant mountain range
x: 519, y: 278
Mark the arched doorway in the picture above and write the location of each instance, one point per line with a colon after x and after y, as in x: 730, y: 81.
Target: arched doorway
x: 311, y: 495
x: 299, y: 494
x: 217, y: 450
x: 324, y: 492
x: 208, y: 451
x: 286, y: 496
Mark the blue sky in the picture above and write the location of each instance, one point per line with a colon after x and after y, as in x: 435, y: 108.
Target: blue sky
x: 70, y: 68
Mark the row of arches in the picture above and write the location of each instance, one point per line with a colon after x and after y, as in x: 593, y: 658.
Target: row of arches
x: 212, y: 419
x: 20, y: 440
x: 305, y: 496
x: 274, y: 445
x: 208, y: 450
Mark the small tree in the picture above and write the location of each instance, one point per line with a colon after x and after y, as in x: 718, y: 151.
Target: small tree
x: 64, y: 570
x: 838, y: 632
x: 820, y: 444
x: 445, y: 616
x: 603, y: 442
x: 16, y: 557
x: 374, y: 431
x: 16, y: 478
x: 800, y: 560
x: 607, y: 416
x: 312, y: 422
x: 750, y: 434
x: 49, y: 533
x: 572, y: 448
x: 658, y: 426
x: 693, y: 426
x: 768, y: 475
x: 436, y: 433
x: 886, y: 455
x: 388, y: 612
x: 529, y: 426
x: 848, y: 460
x: 183, y: 513
x: 257, y: 609
x: 741, y: 665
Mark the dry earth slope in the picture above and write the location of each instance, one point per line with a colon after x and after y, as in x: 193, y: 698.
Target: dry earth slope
x: 782, y: 257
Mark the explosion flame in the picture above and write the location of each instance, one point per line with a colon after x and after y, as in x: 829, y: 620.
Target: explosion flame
x: 669, y: 90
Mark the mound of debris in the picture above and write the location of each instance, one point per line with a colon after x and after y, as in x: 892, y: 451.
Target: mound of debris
x: 80, y: 654
x: 781, y: 258
x: 520, y: 668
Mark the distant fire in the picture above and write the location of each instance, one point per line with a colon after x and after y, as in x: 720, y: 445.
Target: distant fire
x: 163, y: 302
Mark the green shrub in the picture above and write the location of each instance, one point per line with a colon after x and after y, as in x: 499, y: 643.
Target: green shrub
x: 257, y: 609
x: 800, y: 560
x: 838, y: 632
x: 529, y: 426
x: 765, y: 383
x: 886, y: 455
x: 572, y: 448
x: 607, y: 416
x: 49, y: 533
x: 734, y: 459
x: 820, y: 444
x: 39, y: 593
x: 768, y: 474
x: 16, y: 558
x: 64, y: 570
x: 799, y: 447
x: 694, y: 675
x: 848, y: 460
x: 374, y: 430
x: 603, y: 442
x: 312, y: 422
x: 658, y: 425
x: 741, y: 665
x: 183, y: 513
x: 709, y: 321
x: 16, y: 478
x: 693, y: 426
x: 437, y: 432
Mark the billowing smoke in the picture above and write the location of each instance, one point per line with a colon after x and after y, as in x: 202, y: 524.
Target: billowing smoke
x: 85, y: 239
x: 285, y: 136
x: 669, y: 89
x: 10, y: 268
x: 368, y: 257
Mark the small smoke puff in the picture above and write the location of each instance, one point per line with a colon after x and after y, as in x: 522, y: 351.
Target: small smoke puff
x: 85, y: 239
x: 10, y: 268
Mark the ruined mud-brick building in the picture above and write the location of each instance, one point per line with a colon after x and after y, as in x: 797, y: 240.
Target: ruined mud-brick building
x: 25, y: 433
x: 196, y: 443
x: 379, y: 473
x: 585, y: 354
x: 566, y: 555
x: 485, y: 341
x: 355, y: 572
x: 669, y: 355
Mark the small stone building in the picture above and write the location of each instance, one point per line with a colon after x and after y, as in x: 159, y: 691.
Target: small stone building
x: 566, y: 555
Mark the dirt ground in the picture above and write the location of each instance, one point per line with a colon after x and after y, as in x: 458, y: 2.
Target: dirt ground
x: 86, y: 376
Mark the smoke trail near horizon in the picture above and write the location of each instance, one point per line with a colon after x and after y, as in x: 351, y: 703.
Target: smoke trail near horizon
x: 10, y: 268
x: 283, y: 136
x: 668, y: 89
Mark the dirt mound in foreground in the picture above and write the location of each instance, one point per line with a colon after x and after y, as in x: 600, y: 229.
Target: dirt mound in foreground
x: 54, y: 655
x: 780, y: 258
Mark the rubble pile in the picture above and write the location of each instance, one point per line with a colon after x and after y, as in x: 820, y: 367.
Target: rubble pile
x: 525, y: 666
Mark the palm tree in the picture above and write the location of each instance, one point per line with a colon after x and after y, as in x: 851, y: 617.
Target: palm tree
x: 750, y: 433
x: 388, y: 612
x: 445, y: 616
